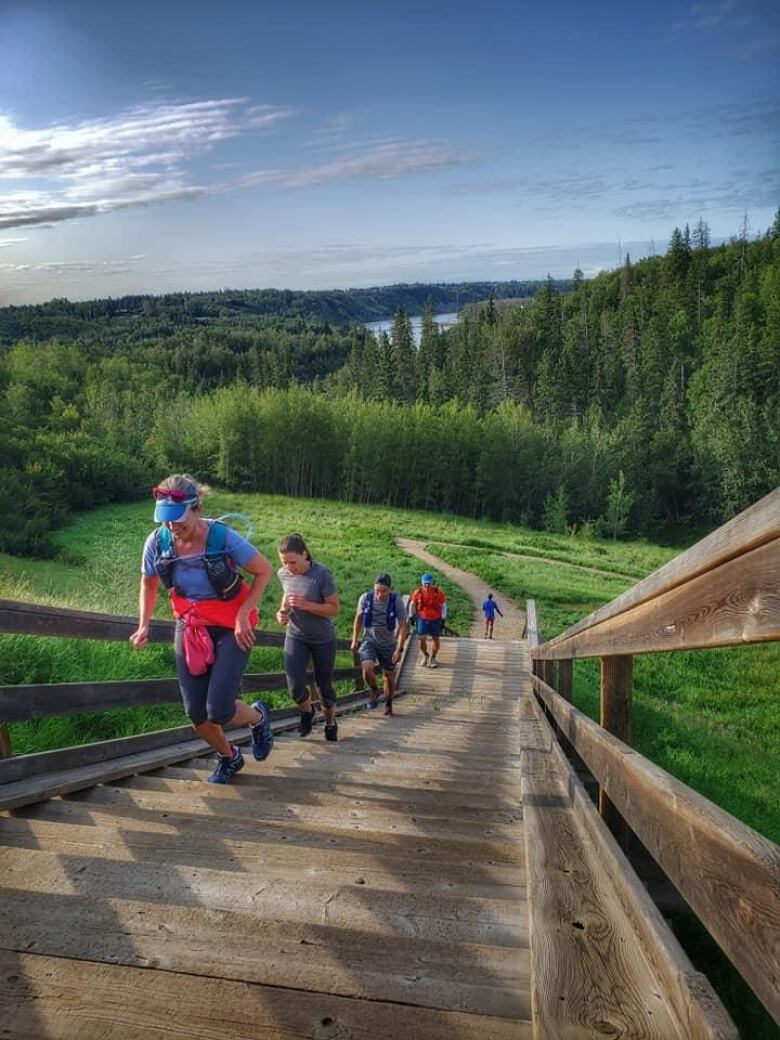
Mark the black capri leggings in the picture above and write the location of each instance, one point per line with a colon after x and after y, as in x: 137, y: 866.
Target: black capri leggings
x: 296, y: 659
x: 211, y: 697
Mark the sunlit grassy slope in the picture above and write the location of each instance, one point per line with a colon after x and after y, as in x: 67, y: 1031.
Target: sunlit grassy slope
x: 711, y: 718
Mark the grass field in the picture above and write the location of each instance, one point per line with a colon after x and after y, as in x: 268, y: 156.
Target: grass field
x: 712, y: 718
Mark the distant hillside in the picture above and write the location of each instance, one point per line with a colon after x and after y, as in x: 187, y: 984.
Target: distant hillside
x: 160, y: 315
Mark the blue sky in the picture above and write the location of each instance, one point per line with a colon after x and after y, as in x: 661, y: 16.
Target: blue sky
x: 152, y: 147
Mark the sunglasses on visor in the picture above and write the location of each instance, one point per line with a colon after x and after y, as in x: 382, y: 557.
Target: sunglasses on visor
x: 160, y: 494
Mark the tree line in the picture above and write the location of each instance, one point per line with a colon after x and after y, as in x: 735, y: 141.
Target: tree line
x: 675, y: 358
x: 648, y: 395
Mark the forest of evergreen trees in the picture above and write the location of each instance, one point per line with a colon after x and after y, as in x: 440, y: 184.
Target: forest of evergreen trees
x: 647, y: 396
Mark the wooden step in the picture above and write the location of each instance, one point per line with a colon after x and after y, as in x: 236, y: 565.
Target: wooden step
x: 63, y: 999
x: 327, y: 902
x: 242, y: 850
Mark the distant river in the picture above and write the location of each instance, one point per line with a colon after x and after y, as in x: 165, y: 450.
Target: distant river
x: 443, y: 320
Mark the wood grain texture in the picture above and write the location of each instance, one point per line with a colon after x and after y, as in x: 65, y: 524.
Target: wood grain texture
x: 689, y: 994
x: 62, y: 999
x: 39, y: 620
x: 380, y: 880
x: 734, y: 604
x: 754, y: 527
x: 20, y: 703
x: 33, y: 788
x: 727, y: 872
x: 532, y: 628
x: 616, y: 690
x: 589, y: 975
x: 21, y: 767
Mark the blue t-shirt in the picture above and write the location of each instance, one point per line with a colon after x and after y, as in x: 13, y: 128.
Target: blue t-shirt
x: 189, y: 572
x: 489, y: 608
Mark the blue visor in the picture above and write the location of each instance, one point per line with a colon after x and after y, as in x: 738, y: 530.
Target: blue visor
x: 427, y: 579
x: 167, y: 511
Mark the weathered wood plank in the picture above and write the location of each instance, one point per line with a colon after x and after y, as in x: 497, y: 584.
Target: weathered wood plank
x: 21, y: 767
x: 178, y: 839
x: 42, y: 620
x: 247, y: 803
x: 732, y: 605
x: 72, y: 1000
x: 688, y: 992
x: 727, y: 872
x: 587, y: 967
x: 492, y: 922
x: 34, y: 788
x: 20, y: 703
x: 376, y: 844
x: 757, y: 525
x: 566, y: 678
x: 531, y: 626
x: 617, y: 678
x: 320, y: 958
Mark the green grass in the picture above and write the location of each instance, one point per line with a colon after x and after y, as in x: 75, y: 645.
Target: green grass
x: 711, y: 718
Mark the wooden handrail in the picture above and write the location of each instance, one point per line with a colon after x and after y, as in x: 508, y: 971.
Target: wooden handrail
x: 41, y: 620
x: 728, y: 873
x: 20, y: 703
x: 724, y: 591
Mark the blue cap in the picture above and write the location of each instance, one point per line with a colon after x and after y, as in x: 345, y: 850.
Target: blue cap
x: 427, y: 579
x: 166, y: 511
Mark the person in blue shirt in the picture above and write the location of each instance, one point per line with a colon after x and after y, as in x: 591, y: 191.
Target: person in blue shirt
x: 198, y: 560
x: 490, y: 608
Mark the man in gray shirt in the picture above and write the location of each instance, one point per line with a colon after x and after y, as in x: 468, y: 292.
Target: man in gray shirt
x: 381, y: 620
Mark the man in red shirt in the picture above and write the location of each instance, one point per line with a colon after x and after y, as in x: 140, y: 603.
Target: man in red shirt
x: 430, y: 607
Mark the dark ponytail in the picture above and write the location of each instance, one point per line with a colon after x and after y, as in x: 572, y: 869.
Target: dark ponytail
x: 294, y: 543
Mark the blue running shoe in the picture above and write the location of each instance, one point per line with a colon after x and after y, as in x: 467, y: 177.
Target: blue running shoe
x: 262, y: 734
x: 227, y: 767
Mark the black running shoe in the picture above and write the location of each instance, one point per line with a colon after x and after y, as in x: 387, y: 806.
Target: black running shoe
x: 305, y: 723
x: 332, y: 731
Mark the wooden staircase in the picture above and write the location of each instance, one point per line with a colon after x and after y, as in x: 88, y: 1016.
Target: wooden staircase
x: 430, y: 876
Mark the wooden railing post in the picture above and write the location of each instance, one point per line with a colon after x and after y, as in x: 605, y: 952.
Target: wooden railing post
x: 5, y: 741
x: 565, y: 678
x: 616, y: 691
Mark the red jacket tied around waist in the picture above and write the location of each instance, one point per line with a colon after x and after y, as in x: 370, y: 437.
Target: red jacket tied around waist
x: 197, y: 615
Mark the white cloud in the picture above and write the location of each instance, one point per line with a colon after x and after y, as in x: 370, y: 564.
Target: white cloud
x: 381, y: 162
x: 141, y: 158
x: 137, y: 158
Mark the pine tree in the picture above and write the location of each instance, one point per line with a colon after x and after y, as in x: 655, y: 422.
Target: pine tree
x: 428, y: 356
x: 404, y: 357
x: 619, y: 504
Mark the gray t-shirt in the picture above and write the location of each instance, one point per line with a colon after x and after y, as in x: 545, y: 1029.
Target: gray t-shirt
x: 378, y: 630
x: 316, y: 585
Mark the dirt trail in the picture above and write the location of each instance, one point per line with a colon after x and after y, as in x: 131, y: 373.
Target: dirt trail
x: 510, y: 626
x: 535, y: 559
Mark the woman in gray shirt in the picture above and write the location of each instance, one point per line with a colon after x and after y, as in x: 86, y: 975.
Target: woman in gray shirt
x: 309, y: 605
